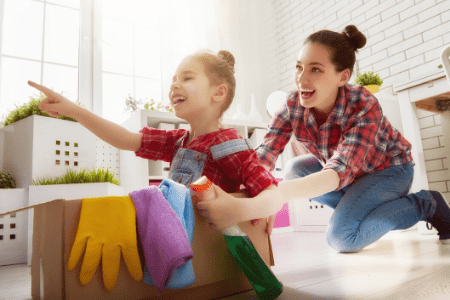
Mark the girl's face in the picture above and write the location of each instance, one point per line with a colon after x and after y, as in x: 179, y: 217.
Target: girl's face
x: 316, y: 78
x: 191, y: 92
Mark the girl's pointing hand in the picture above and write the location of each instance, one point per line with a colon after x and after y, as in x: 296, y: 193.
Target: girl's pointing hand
x: 54, y: 104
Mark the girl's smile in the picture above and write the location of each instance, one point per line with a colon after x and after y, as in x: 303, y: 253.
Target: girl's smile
x: 177, y: 99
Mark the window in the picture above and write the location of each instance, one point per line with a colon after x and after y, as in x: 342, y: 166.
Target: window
x: 131, y: 59
x: 97, y: 52
x: 39, y: 41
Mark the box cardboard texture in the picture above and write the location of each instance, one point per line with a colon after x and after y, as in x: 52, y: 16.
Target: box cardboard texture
x: 55, y: 227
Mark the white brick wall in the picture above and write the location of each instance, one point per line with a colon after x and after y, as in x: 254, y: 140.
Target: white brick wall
x: 434, y: 151
x: 402, y: 35
x: 404, y: 38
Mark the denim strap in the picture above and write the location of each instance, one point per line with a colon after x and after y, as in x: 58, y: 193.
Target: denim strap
x: 230, y: 147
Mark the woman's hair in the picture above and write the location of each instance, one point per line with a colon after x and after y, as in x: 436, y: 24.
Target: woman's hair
x: 220, y: 69
x: 342, y: 46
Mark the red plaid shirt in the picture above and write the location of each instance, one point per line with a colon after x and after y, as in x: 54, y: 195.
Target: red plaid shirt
x: 228, y: 172
x: 355, y: 140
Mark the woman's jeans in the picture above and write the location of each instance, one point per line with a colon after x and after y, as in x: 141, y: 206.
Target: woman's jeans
x: 369, y: 207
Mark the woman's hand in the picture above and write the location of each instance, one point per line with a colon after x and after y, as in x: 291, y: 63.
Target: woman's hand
x: 54, y: 104
x: 223, y: 212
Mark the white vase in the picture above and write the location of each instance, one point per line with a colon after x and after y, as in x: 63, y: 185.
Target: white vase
x: 254, y: 114
x: 239, y: 115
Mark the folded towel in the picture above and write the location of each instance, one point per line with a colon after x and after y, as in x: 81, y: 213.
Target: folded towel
x: 164, y: 240
x: 179, y: 197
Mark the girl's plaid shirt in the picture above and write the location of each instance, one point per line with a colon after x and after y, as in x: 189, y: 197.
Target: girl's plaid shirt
x: 229, y: 172
x: 355, y: 140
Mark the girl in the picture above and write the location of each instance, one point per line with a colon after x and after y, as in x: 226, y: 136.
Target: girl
x: 202, y: 89
x: 359, y: 165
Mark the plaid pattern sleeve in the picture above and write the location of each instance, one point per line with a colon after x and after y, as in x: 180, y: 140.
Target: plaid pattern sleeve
x: 157, y: 144
x: 277, y: 136
x: 244, y: 167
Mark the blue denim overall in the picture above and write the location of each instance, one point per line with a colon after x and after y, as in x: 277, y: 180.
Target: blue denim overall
x: 187, y: 165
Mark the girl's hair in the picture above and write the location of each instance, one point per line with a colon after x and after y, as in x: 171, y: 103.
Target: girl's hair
x: 220, y: 69
x: 342, y: 46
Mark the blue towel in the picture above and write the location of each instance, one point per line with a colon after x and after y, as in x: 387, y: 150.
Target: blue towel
x: 179, y: 197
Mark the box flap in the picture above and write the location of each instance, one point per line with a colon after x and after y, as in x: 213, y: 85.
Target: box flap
x: 26, y: 208
x: 47, y: 260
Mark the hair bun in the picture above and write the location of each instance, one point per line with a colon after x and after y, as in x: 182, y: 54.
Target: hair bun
x: 356, y: 38
x: 226, y: 55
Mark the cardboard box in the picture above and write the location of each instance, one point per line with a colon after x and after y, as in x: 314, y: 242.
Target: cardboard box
x: 55, y: 226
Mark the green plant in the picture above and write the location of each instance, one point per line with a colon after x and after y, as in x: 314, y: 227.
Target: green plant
x: 368, y: 78
x: 152, y: 105
x: 6, y: 181
x: 28, y: 109
x: 132, y: 104
x: 82, y: 176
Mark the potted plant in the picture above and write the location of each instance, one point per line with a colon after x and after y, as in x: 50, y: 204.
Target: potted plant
x: 28, y: 109
x: 370, y: 81
x: 74, y: 184
x: 152, y: 105
x: 40, y: 145
x: 7, y: 181
x: 132, y: 105
x: 13, y: 227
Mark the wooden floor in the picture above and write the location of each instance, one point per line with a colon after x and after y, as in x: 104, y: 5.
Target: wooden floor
x: 401, y: 265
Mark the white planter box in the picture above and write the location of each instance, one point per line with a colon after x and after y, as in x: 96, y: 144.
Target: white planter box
x: 44, y: 193
x: 41, y: 146
x: 13, y: 227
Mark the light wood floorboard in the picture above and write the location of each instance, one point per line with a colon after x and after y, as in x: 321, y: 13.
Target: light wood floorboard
x: 401, y: 265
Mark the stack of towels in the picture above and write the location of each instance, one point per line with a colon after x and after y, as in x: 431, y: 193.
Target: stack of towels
x: 165, y: 224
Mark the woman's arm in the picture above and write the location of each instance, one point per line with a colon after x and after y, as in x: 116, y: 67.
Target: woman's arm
x: 56, y: 106
x: 271, y: 200
x: 228, y: 210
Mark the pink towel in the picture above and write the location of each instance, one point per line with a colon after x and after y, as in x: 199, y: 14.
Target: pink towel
x: 164, y: 240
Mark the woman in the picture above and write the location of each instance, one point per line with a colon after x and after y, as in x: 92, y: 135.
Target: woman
x: 359, y: 164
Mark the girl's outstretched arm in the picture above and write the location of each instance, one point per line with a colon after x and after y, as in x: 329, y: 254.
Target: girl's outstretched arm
x: 117, y: 136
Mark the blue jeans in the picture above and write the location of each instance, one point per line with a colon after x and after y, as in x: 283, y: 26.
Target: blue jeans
x: 370, y: 207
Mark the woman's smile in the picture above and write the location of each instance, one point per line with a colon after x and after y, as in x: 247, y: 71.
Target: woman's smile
x: 306, y: 94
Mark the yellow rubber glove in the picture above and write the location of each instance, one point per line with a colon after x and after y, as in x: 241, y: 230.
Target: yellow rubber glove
x: 107, y: 227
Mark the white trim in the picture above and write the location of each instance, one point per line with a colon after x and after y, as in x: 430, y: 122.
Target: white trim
x: 97, y: 94
x: 2, y: 11
x: 85, y: 54
x: 43, y: 43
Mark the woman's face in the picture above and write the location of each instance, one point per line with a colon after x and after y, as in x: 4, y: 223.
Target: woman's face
x: 316, y: 78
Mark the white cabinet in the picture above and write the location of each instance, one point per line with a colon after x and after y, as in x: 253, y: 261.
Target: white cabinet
x: 422, y: 91
x: 135, y: 172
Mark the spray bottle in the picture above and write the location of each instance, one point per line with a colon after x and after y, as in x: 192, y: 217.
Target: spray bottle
x: 264, y: 282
